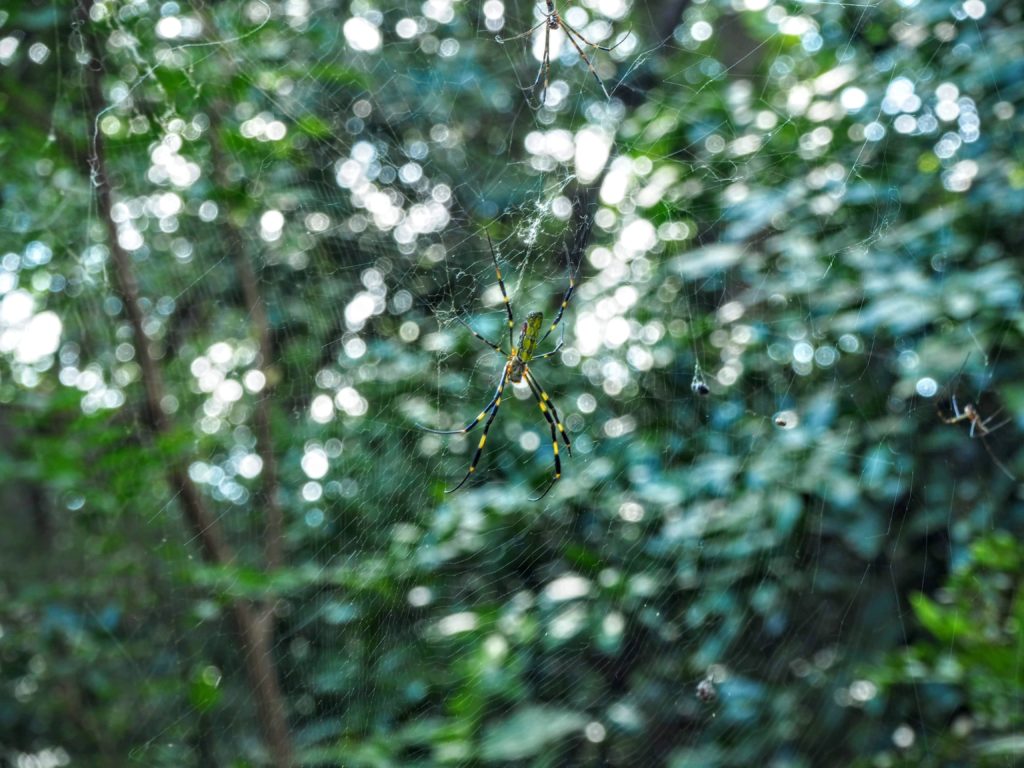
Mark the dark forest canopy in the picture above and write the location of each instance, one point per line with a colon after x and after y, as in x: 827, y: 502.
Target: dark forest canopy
x: 246, y: 256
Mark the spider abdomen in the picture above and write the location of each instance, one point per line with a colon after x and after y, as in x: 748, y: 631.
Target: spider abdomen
x: 529, y: 336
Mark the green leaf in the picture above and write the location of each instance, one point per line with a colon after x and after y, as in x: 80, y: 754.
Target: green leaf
x: 946, y: 625
x: 528, y: 731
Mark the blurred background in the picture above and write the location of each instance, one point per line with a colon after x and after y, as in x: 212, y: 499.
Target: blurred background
x: 240, y: 246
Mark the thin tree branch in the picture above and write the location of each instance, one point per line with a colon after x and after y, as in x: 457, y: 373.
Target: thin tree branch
x: 273, y: 538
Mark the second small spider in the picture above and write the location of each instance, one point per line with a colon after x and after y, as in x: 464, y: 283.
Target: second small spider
x: 552, y: 21
x: 979, y: 427
x: 516, y: 370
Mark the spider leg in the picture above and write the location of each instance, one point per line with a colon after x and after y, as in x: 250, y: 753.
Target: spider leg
x: 536, y: 81
x: 521, y: 35
x: 469, y: 427
x: 483, y: 437
x: 610, y: 48
x: 545, y: 66
x: 572, y: 34
x: 488, y: 342
x: 542, y: 73
x: 546, y: 403
x: 554, y: 438
x: 998, y: 463
x: 550, y: 485
x: 992, y: 417
x: 561, y: 310
x: 607, y: 48
x: 956, y: 418
x: 989, y: 430
x: 504, y: 293
x: 558, y: 346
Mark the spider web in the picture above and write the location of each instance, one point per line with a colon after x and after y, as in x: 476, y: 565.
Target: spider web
x: 739, y: 215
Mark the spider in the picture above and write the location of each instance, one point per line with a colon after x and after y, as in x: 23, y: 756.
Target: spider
x: 553, y: 20
x: 698, y: 385
x: 706, y: 690
x: 516, y: 370
x: 979, y: 427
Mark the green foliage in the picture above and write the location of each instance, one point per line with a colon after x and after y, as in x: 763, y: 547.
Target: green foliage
x: 811, y: 538
x: 971, y: 653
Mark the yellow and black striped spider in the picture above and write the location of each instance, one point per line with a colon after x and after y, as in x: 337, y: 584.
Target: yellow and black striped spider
x: 516, y: 370
x: 553, y: 20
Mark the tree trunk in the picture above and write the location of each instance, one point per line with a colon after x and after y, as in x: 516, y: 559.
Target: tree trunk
x: 253, y: 625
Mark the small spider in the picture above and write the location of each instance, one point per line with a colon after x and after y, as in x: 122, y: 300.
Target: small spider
x: 979, y: 427
x: 553, y: 20
x: 516, y: 369
x: 706, y: 690
x: 697, y: 384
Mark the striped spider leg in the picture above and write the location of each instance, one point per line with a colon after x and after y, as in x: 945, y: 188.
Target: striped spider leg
x: 547, y: 407
x: 553, y: 20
